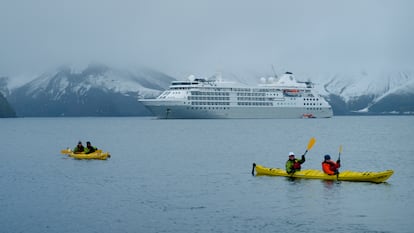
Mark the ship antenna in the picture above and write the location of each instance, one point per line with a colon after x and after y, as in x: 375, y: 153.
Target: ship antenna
x: 274, y: 72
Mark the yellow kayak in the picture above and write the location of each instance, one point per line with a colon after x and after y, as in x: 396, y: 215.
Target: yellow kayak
x: 375, y: 177
x: 98, y: 154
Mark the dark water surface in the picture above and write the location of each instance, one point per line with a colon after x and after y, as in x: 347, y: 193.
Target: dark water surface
x: 194, y: 176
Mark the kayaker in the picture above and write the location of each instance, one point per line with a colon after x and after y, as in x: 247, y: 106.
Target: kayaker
x: 329, y: 166
x: 79, y: 148
x: 89, y: 148
x: 293, y: 164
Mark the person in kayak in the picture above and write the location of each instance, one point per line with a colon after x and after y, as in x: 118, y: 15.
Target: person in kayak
x: 293, y: 164
x: 79, y: 148
x: 89, y: 148
x: 329, y: 166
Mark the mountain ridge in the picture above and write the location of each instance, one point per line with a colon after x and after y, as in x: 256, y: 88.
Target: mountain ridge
x: 100, y: 90
x: 95, y: 91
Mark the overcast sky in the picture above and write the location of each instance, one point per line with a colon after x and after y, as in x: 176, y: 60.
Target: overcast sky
x: 180, y: 37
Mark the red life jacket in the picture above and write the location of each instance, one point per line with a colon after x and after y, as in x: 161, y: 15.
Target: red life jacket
x: 296, y: 164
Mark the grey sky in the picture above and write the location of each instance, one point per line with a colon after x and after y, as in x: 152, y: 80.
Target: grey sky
x: 202, y: 37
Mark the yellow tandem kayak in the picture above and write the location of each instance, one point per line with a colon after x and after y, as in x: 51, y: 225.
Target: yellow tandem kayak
x: 375, y: 177
x: 98, y: 154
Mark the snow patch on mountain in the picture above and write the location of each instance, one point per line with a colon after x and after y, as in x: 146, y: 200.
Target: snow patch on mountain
x: 38, y: 84
x: 399, y: 88
x: 352, y: 85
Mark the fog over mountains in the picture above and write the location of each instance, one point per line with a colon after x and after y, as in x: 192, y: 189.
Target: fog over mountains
x: 100, y: 90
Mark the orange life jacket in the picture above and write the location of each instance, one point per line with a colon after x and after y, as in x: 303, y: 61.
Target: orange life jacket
x: 329, y: 167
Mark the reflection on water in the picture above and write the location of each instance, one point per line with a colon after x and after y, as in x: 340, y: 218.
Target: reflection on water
x: 328, y: 184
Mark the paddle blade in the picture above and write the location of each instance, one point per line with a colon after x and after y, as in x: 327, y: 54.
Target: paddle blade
x: 340, y: 149
x: 66, y: 151
x: 311, y: 143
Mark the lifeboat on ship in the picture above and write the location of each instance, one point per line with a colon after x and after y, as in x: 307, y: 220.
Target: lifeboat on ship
x: 291, y: 92
x: 308, y: 115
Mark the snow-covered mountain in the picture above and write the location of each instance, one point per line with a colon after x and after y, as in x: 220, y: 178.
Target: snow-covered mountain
x: 99, y: 90
x: 96, y: 91
x: 376, y: 93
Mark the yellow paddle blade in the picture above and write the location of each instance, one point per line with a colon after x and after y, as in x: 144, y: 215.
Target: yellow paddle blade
x: 66, y: 151
x: 311, y: 143
x: 340, y: 149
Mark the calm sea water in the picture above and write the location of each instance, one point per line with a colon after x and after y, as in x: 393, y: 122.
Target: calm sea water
x: 195, y: 176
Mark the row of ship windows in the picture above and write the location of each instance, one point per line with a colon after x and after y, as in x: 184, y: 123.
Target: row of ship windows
x: 269, y: 99
x: 247, y: 99
x: 210, y: 103
x: 314, y: 109
x: 246, y: 90
x: 251, y: 94
x: 244, y: 103
x: 210, y: 93
x: 271, y: 104
x: 198, y: 93
x: 201, y: 108
x: 207, y: 98
x: 254, y: 99
x: 205, y: 95
x: 181, y: 88
x: 312, y: 103
x: 226, y: 91
x: 255, y: 103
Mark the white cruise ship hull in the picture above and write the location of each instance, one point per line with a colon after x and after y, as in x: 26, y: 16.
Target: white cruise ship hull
x: 179, y: 110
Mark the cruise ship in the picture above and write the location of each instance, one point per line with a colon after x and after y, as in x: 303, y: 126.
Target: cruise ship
x: 198, y: 98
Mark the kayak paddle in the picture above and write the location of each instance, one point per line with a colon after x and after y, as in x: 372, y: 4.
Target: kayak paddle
x: 339, y: 158
x: 66, y: 151
x: 310, y: 145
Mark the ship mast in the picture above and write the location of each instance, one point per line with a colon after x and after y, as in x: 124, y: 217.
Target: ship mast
x: 274, y: 72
